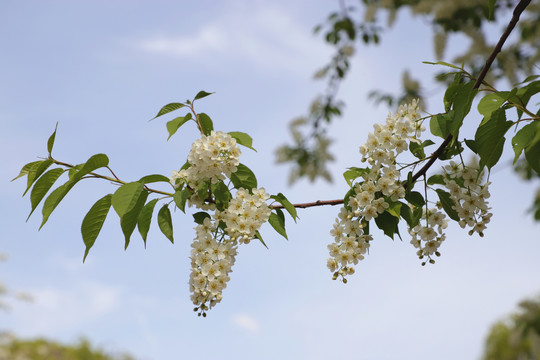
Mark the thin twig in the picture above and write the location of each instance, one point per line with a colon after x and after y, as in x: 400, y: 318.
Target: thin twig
x: 311, y: 204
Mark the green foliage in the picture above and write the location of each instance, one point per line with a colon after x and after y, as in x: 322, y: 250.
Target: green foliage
x: 174, y: 124
x: 42, y: 349
x: 277, y: 220
x: 206, y: 123
x: 200, y: 216
x: 489, y: 138
x: 388, y: 223
x: 165, y: 222
x: 518, y: 336
x: 354, y: 173
x: 168, y: 108
x: 201, y: 94
x: 447, y: 204
x: 180, y: 198
x: 50, y: 142
x: 242, y: 139
x: 243, y: 177
x: 286, y: 204
x: 93, y: 222
x: 42, y: 187
x: 145, y: 219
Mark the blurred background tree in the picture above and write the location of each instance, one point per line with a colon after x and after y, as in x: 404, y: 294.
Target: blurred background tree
x: 12, y: 348
x: 363, y: 22
x: 518, y: 337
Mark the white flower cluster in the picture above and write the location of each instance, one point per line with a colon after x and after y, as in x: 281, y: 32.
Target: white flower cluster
x: 211, y: 263
x: 245, y: 214
x: 427, y: 238
x: 213, y: 157
x: 216, y: 244
x: 469, y: 196
x: 382, y: 181
x: 349, y: 246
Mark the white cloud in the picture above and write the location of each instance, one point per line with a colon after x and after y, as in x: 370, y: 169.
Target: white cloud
x: 262, y: 35
x: 53, y: 310
x: 247, y: 323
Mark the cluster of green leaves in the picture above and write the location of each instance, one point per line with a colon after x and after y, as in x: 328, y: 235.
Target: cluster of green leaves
x: 517, y: 337
x: 131, y: 200
x: 43, y: 349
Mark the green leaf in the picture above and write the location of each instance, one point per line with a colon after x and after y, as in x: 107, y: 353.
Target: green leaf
x: 461, y: 104
x: 126, y: 197
x: 258, y: 236
x: 388, y: 223
x: 154, y: 178
x: 35, y: 172
x: 490, y: 139
x: 206, y: 123
x: 165, y: 222
x: 199, y: 217
x: 448, y: 204
x: 491, y: 102
x: 203, y: 190
x: 415, y: 198
x: 93, y: 222
x: 412, y: 217
x: 444, y: 64
x: 244, y: 178
x: 26, y: 169
x: 242, y: 139
x: 42, y: 186
x: 438, y: 125
x: 129, y: 220
x: 168, y: 108
x: 222, y: 195
x: 277, y: 220
x: 529, y: 78
x: 174, y: 124
x: 354, y: 173
x: 50, y: 142
x: 54, y: 199
x: 524, y: 94
x: 202, y: 94
x: 93, y: 163
x: 145, y: 218
x: 394, y: 209
x: 532, y: 154
x: 471, y: 144
x: 523, y: 138
x: 436, y: 179
x: 417, y: 150
x: 180, y: 198
x: 286, y: 204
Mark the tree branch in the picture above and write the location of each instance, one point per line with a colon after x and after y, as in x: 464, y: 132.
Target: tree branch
x: 520, y: 7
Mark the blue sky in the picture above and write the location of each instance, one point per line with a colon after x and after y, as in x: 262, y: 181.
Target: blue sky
x: 101, y: 69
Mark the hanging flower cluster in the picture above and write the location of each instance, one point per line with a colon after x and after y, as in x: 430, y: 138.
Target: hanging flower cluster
x: 469, y: 196
x: 216, y: 244
x: 379, y: 186
x: 212, y: 159
x: 428, y: 238
x: 380, y: 189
